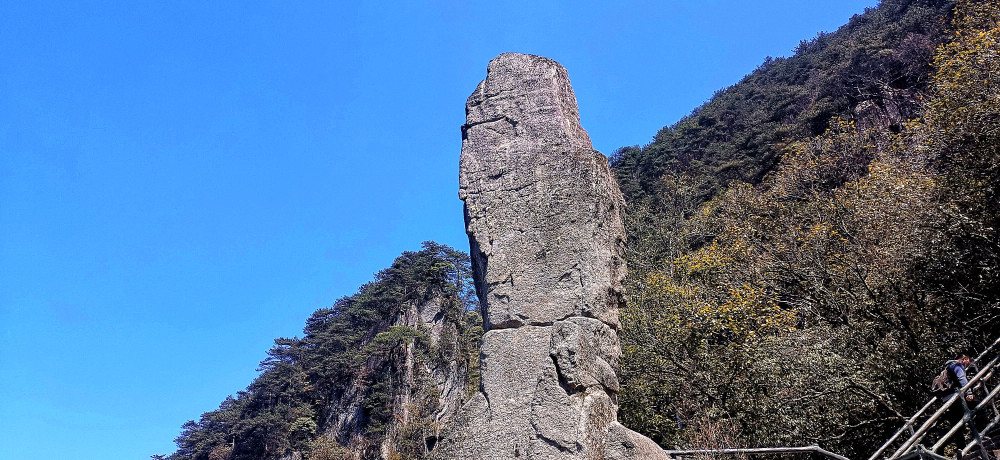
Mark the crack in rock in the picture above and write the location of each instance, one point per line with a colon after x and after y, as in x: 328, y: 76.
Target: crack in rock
x: 542, y: 205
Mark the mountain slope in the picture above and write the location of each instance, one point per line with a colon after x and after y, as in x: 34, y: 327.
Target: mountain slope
x: 372, y: 377
x: 821, y: 293
x: 872, y: 70
x: 802, y: 253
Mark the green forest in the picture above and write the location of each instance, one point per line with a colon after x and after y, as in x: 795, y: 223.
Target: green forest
x: 811, y: 262
x: 805, y: 251
x: 351, y: 346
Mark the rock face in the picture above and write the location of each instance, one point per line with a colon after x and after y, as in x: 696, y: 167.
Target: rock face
x: 417, y: 381
x: 543, y: 215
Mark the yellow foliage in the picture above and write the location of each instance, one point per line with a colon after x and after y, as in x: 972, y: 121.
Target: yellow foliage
x: 967, y: 80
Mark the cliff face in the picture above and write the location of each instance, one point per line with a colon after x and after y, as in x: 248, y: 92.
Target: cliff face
x: 543, y: 215
x: 424, y: 388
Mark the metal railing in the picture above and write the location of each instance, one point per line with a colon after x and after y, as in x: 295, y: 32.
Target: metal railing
x: 913, y: 446
x: 919, y: 426
x: 678, y: 454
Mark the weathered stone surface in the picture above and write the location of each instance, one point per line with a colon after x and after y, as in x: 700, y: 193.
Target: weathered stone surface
x: 543, y: 215
x: 499, y: 417
x: 346, y: 418
x: 542, y: 209
x: 625, y: 444
x: 586, y: 353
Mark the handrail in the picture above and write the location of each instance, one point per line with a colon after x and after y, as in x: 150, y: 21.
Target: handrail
x: 985, y: 400
x: 989, y: 427
x: 757, y: 451
x: 911, y: 447
x: 987, y: 350
x: 957, y: 426
x: 909, y: 423
x: 910, y: 443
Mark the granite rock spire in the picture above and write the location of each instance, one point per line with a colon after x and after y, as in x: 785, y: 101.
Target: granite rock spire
x: 544, y: 218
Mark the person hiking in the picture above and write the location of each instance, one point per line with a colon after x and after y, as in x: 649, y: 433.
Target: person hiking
x: 955, y: 369
x: 956, y: 372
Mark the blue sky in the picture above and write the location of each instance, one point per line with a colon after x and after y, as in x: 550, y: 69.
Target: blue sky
x: 182, y: 182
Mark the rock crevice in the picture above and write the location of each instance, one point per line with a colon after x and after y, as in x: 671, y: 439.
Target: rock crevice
x: 543, y: 214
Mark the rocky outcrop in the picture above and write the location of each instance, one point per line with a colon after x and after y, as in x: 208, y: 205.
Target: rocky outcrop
x: 544, y: 218
x: 427, y: 390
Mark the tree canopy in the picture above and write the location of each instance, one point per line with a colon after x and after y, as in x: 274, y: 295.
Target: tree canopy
x: 822, y: 295
x: 356, y: 345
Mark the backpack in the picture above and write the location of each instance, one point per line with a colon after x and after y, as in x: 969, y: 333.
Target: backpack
x: 944, y: 383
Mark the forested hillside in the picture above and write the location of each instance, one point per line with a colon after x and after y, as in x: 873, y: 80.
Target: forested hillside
x: 805, y: 250
x: 811, y: 245
x: 873, y: 70
x: 371, y: 376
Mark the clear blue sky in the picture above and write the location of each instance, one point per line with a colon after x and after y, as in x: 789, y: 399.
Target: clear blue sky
x: 181, y: 182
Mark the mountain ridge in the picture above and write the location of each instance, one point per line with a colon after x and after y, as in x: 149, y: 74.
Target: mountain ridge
x: 800, y: 223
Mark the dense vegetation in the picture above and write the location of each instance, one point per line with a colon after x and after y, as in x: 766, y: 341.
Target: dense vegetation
x: 816, y: 279
x: 352, y: 363
x: 805, y: 250
x: 873, y: 70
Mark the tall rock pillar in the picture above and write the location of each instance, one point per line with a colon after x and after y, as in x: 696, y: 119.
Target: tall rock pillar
x: 544, y: 218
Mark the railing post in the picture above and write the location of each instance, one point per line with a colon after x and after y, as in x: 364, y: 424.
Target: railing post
x: 969, y: 420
